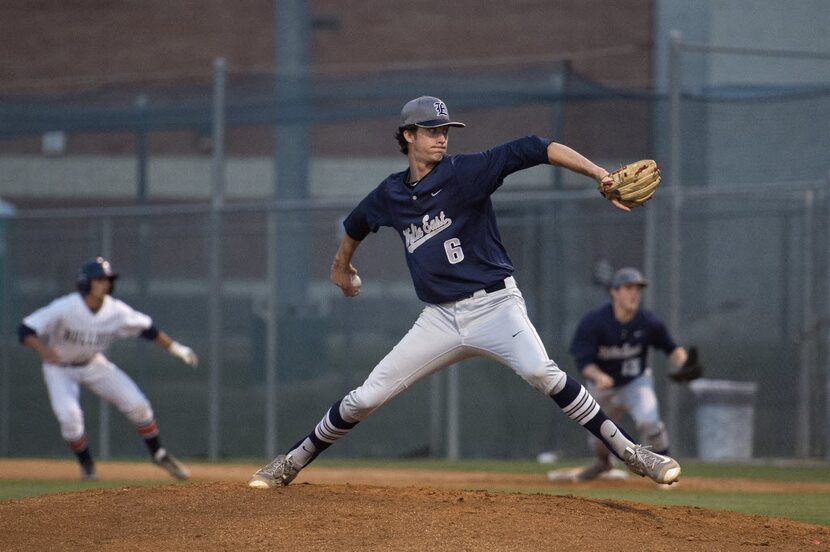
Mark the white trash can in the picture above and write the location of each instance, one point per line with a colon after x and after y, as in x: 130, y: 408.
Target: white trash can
x: 725, y: 418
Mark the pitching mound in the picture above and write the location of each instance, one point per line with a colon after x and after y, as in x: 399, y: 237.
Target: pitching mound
x: 227, y: 515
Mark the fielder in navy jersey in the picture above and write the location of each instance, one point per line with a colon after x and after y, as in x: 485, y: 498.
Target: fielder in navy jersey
x: 440, y: 207
x: 610, y: 347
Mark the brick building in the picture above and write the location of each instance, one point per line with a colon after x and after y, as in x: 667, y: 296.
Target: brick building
x: 109, y: 53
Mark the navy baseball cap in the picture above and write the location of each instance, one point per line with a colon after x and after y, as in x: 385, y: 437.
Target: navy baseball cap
x: 427, y: 112
x: 628, y: 275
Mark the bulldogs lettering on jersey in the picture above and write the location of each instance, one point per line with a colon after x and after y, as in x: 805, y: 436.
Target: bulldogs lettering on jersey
x: 77, y: 334
x: 87, y: 338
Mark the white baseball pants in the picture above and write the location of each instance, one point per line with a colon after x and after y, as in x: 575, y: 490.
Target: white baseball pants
x: 105, y: 380
x: 493, y: 324
x: 639, y: 400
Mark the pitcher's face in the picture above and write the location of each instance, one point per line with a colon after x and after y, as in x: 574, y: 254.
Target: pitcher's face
x: 429, y: 145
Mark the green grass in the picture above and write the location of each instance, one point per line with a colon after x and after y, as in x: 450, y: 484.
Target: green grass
x: 806, y: 507
x: 771, y: 471
x: 23, y: 488
x: 810, y: 507
x: 817, y: 472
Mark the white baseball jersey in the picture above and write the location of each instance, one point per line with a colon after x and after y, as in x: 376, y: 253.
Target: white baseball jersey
x: 80, y: 337
x: 77, y: 334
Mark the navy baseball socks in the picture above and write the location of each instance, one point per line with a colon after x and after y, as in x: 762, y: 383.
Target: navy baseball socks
x: 580, y: 406
x: 81, y: 449
x: 285, y: 467
x: 573, y: 399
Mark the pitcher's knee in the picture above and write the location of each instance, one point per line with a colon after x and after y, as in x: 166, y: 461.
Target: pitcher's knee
x: 359, y: 403
x: 546, y: 378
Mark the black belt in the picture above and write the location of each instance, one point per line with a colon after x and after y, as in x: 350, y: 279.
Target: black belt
x: 498, y: 286
x: 78, y: 364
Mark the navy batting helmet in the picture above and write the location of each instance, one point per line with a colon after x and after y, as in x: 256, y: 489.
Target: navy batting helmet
x: 93, y: 269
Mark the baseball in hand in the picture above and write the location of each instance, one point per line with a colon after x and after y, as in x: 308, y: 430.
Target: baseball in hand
x: 355, y: 281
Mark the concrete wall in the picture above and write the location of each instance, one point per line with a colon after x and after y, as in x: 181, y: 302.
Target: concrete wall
x: 173, y: 177
x: 63, y: 48
x: 768, y: 24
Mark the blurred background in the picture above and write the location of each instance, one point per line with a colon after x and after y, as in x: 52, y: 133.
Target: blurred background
x: 211, y: 150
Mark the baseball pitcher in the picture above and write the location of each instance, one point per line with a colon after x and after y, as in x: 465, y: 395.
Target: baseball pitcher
x: 440, y: 208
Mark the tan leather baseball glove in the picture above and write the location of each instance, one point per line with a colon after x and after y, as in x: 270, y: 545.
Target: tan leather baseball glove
x: 632, y: 184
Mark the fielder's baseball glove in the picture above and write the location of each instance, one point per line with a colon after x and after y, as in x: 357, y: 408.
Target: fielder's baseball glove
x: 691, y: 369
x: 632, y: 184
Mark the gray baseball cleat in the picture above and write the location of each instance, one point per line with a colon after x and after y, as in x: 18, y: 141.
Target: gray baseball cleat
x: 279, y: 473
x: 170, y: 464
x: 661, y: 469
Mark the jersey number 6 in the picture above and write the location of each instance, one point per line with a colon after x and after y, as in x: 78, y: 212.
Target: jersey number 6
x: 454, y: 252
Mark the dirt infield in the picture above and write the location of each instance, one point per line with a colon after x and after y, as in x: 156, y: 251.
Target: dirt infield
x: 366, y: 509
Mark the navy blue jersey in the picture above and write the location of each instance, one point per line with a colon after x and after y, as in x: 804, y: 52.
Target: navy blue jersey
x: 620, y: 350
x: 446, y: 221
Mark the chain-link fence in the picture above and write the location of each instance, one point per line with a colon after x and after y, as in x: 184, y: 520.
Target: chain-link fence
x: 223, y: 230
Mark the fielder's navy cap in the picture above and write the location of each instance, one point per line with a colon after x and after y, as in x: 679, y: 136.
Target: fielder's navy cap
x: 626, y: 276
x: 427, y: 112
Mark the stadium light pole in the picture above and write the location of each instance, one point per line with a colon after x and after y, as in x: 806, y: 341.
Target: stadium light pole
x: 287, y: 240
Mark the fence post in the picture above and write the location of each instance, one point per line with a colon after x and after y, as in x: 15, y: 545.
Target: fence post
x: 141, y: 102
x: 454, y: 413
x: 559, y: 115
x: 806, y: 345
x: 827, y: 326
x: 436, y: 410
x: 271, y: 333
x: 6, y: 214
x: 675, y: 183
x: 104, y: 406
x: 215, y: 261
